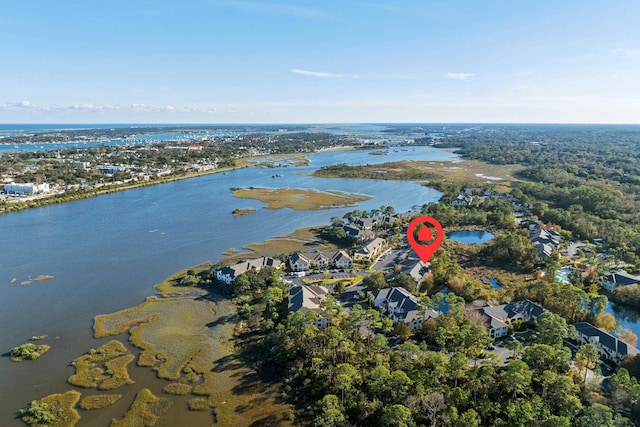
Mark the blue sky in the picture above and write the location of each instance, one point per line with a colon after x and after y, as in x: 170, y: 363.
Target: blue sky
x: 302, y: 61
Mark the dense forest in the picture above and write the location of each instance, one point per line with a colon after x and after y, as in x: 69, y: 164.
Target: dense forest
x: 584, y: 178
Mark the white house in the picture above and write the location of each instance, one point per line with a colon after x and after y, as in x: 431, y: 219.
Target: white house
x: 500, y: 316
x: 304, y: 262
x: 228, y: 274
x: 370, y: 250
x: 402, y: 306
x: 26, y: 188
x: 609, y: 346
x: 620, y: 278
x: 309, y: 298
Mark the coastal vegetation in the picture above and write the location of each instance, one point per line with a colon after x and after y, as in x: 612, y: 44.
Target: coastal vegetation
x: 99, y: 401
x: 104, y: 368
x: 28, y: 351
x: 240, y: 212
x: 55, y: 410
x: 144, y: 411
x: 299, y: 199
x: 189, y: 340
x: 441, y: 175
x: 177, y: 388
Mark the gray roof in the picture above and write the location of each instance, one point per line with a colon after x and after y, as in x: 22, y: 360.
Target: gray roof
x: 605, y: 339
x: 305, y: 298
x: 622, y: 278
x: 524, y: 309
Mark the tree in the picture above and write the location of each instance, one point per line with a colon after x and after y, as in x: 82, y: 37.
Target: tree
x: 605, y: 321
x: 586, y: 358
x: 345, y: 377
x: 516, y: 379
x: 375, y: 281
x: 628, y: 336
x: 332, y: 412
x: 405, y: 281
x: 553, y: 329
x: 397, y: 416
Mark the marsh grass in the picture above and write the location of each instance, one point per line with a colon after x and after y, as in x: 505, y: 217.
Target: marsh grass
x: 172, y: 332
x: 177, y: 388
x: 299, y: 199
x: 60, y: 412
x: 170, y: 287
x: 462, y: 172
x: 99, y: 401
x: 42, y: 277
x: 144, y: 411
x: 199, y: 404
x: 241, y: 211
x: 91, y: 369
x: 119, y: 375
x: 298, y: 241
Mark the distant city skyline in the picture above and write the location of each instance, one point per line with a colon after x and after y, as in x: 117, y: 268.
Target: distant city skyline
x: 249, y: 61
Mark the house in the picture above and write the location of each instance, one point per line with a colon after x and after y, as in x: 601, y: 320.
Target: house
x: 500, y: 316
x: 304, y: 262
x: 609, y: 346
x: 544, y: 249
x: 228, y: 274
x: 299, y: 262
x: 309, y: 298
x: 620, y: 278
x: 402, y: 306
x: 366, y: 223
x: 545, y: 236
x: 26, y: 188
x: 354, y: 232
x: 414, y: 267
x: 370, y: 250
x: 461, y: 201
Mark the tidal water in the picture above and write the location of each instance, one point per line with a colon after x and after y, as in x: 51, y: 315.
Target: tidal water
x: 107, y: 252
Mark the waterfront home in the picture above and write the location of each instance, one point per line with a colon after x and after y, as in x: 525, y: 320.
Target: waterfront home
x: 370, y: 250
x: 309, y: 298
x: 618, y: 279
x: 228, y: 274
x: 609, y: 346
x: 402, y: 306
x: 26, y: 188
x: 499, y: 317
x: 304, y: 262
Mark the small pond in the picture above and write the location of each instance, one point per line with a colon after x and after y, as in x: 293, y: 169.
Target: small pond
x: 470, y: 236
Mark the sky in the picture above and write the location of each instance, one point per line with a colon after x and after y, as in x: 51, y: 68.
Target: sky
x: 331, y: 61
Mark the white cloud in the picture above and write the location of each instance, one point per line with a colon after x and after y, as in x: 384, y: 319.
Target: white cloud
x: 460, y: 76
x: 26, y: 104
x: 323, y: 74
x: 626, y: 52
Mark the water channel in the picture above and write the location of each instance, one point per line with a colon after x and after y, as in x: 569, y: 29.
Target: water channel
x: 107, y: 252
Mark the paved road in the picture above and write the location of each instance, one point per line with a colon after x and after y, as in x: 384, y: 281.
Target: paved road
x: 387, y: 260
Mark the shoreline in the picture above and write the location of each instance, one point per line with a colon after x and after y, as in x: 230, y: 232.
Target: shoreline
x: 246, y: 162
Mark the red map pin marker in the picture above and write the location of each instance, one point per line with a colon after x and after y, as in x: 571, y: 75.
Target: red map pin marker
x: 426, y: 245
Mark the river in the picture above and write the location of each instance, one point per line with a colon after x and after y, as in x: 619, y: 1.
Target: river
x: 107, y: 252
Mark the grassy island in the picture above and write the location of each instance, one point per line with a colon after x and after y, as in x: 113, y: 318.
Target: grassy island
x: 99, y: 401
x: 437, y: 174
x: 240, y: 212
x: 145, y: 410
x: 104, y: 368
x: 299, y: 199
x: 28, y: 351
x: 55, y: 410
